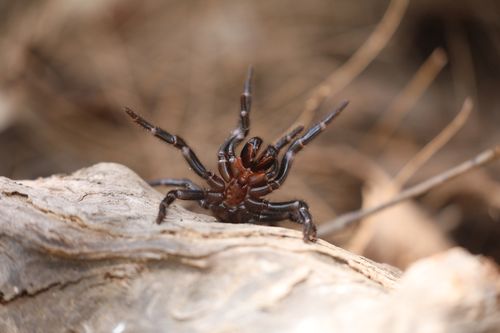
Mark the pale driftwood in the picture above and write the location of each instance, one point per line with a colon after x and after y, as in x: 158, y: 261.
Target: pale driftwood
x: 80, y: 253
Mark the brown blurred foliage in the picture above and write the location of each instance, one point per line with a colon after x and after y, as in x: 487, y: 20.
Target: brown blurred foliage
x: 68, y: 67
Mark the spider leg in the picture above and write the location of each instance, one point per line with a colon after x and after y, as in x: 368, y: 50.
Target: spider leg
x: 186, y: 183
x: 226, y: 151
x: 297, y: 211
x: 268, y: 160
x: 195, y: 195
x: 268, y: 219
x: 293, y: 149
x: 213, y: 180
x: 288, y: 137
x: 270, y: 155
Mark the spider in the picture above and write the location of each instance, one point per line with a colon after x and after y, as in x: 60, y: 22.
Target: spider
x: 235, y: 196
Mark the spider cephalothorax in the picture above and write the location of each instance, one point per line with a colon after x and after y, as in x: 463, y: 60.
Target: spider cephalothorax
x: 236, y: 195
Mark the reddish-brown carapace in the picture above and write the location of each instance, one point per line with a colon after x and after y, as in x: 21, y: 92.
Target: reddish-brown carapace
x: 236, y: 194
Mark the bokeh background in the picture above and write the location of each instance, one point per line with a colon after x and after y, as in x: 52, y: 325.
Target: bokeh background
x: 68, y: 67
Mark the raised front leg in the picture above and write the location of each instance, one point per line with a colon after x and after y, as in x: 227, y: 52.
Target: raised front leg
x: 269, y: 157
x: 226, y: 151
x: 214, y: 181
x: 295, y: 147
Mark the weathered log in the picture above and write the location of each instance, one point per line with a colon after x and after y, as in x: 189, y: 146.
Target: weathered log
x: 80, y: 253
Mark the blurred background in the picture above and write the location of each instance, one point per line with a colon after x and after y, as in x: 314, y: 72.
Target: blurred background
x: 68, y: 67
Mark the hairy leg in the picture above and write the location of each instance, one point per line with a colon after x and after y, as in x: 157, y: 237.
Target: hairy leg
x: 196, y: 195
x: 269, y: 157
x: 297, y: 211
x: 186, y: 183
x: 271, y: 219
x: 214, y: 181
x: 293, y: 149
x: 226, y: 152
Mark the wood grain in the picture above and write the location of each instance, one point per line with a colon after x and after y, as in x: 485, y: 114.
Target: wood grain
x: 80, y: 253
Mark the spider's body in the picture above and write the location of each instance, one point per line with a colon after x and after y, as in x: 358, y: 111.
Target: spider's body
x: 237, y: 188
x: 236, y: 195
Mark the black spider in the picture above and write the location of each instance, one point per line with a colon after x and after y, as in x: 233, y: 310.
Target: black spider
x: 236, y: 195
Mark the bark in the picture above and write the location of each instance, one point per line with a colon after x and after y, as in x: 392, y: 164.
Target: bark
x: 80, y: 253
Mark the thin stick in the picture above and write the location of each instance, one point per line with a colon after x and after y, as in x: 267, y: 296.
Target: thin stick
x: 434, y: 145
x: 381, y: 132
x: 340, y: 78
x: 349, y: 218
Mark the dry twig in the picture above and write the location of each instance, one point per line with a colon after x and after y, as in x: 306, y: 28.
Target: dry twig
x: 349, y: 218
x: 436, y: 144
x: 344, y: 75
x: 378, y: 137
